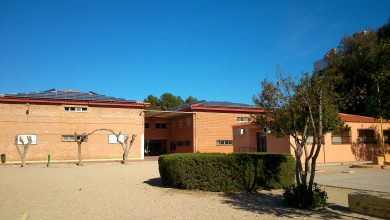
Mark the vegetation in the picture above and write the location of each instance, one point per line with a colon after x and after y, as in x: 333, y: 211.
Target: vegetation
x: 26, y: 146
x: 299, y: 110
x: 168, y: 101
x: 363, y: 61
x: 3, y: 158
x: 303, y: 198
x: 227, y: 172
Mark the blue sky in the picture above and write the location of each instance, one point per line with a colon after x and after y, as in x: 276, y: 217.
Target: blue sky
x: 213, y: 50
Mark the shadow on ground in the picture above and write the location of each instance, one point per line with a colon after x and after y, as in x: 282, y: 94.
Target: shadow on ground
x: 264, y: 203
x: 156, y: 182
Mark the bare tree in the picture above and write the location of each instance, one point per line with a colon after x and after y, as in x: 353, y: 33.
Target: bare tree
x: 79, y: 139
x: 126, y: 145
x: 25, y: 148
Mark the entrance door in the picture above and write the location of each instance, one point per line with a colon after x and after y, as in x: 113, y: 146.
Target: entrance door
x: 155, y: 147
x: 261, y: 142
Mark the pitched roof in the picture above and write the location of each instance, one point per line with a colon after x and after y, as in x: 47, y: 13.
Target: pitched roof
x: 359, y: 118
x: 69, y: 97
x: 217, y: 106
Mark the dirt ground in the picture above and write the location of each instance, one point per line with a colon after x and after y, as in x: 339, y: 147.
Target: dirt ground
x: 134, y: 191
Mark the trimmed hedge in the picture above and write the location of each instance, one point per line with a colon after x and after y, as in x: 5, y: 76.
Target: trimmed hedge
x: 227, y: 172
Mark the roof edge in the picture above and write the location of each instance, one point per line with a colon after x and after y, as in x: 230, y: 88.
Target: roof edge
x: 143, y: 105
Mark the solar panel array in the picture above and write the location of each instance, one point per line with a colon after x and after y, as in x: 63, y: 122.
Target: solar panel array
x: 226, y: 104
x: 69, y: 95
x: 217, y: 104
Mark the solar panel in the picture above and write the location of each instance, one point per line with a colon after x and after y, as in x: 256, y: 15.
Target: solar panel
x: 69, y: 95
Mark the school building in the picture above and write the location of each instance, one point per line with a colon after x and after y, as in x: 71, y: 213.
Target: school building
x: 52, y: 117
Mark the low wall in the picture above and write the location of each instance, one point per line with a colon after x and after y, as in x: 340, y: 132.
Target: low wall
x: 370, y: 203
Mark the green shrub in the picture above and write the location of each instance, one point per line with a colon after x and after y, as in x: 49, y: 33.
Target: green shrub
x: 3, y: 158
x: 227, y: 172
x: 304, y: 198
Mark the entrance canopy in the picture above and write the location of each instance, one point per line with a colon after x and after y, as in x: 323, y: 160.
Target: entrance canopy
x: 165, y: 114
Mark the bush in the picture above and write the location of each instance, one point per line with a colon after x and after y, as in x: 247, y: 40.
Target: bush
x: 3, y: 158
x: 227, y: 172
x: 304, y: 198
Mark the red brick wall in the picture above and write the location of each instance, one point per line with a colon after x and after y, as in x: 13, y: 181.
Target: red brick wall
x: 212, y: 126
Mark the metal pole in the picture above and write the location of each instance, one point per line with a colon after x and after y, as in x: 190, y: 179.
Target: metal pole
x: 48, y: 160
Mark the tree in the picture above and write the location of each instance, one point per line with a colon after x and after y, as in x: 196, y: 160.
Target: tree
x: 299, y: 110
x: 363, y: 60
x: 26, y: 146
x: 169, y: 101
x: 126, y: 145
x: 155, y: 103
x: 191, y: 100
x: 80, y: 139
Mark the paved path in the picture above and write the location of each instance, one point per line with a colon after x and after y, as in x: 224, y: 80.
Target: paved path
x: 359, y: 178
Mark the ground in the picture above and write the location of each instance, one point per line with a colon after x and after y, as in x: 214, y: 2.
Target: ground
x: 134, y: 191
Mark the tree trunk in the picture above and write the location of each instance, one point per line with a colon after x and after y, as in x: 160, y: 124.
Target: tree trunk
x: 125, y: 154
x: 23, y: 160
x: 319, y: 141
x: 80, y: 163
x: 298, y: 168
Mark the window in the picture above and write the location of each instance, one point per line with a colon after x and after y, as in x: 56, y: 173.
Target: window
x: 241, y: 131
x: 310, y: 140
x: 113, y: 140
x: 75, y: 109
x: 173, y: 146
x: 67, y: 138
x: 243, y: 119
x: 161, y: 125
x: 386, y: 136
x: 24, y: 138
x: 224, y: 142
x: 366, y: 136
x: 146, y: 125
x: 187, y: 143
x: 180, y: 143
x: 343, y: 137
x: 70, y: 138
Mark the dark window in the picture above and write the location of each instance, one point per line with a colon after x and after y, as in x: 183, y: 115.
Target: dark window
x: 161, y: 125
x: 343, y: 137
x: 146, y: 125
x: 386, y: 136
x: 180, y: 143
x: 173, y: 146
x: 366, y: 136
x: 187, y: 143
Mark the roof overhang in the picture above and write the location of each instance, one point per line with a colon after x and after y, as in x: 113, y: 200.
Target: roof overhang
x: 223, y: 109
x: 140, y: 105
x: 165, y: 114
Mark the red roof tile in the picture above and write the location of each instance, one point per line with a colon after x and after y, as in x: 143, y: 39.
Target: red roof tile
x: 359, y: 119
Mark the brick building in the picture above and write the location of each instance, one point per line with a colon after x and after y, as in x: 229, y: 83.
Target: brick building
x: 360, y: 143
x: 52, y: 117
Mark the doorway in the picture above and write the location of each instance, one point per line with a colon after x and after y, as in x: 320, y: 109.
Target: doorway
x: 155, y: 147
x: 261, y: 142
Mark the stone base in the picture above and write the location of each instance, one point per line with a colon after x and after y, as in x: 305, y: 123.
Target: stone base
x: 370, y: 203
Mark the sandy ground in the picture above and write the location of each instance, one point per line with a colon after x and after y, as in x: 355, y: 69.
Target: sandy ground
x: 134, y: 191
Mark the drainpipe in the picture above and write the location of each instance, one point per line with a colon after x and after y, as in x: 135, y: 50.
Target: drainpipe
x: 194, y: 142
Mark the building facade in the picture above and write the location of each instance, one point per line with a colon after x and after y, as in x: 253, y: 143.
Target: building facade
x: 360, y: 143
x: 52, y: 118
